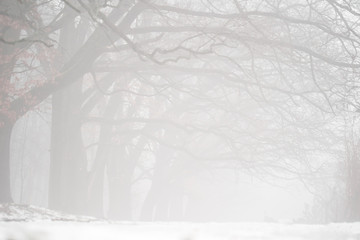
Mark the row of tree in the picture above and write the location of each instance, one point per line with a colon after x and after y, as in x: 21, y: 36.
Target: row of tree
x: 165, y: 91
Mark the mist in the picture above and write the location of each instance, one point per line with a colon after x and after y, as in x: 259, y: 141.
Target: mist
x: 181, y: 111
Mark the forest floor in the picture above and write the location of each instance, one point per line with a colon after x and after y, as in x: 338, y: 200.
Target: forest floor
x: 19, y: 222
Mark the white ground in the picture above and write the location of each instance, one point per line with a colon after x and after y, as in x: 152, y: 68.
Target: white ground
x: 31, y: 223
x: 173, y: 231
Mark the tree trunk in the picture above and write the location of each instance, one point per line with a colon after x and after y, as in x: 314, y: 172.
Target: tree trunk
x: 68, y: 159
x: 354, y: 189
x: 156, y: 204
x: 120, y: 173
x: 96, y: 178
x: 5, y: 190
x: 119, y: 192
x: 68, y: 175
x: 6, y: 125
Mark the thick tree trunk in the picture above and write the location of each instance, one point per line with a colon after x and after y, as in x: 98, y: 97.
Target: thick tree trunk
x: 68, y: 176
x: 5, y: 190
x: 68, y: 159
x: 6, y: 125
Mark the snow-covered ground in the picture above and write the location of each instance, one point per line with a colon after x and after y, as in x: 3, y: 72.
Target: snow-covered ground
x: 30, y: 223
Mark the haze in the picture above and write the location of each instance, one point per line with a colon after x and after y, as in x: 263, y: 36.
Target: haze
x: 209, y: 111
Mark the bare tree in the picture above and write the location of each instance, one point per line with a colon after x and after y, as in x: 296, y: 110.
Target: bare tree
x: 248, y: 80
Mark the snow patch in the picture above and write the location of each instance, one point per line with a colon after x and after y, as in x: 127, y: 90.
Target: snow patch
x: 28, y: 213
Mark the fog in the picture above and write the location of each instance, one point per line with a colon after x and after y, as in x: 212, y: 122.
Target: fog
x: 191, y: 111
